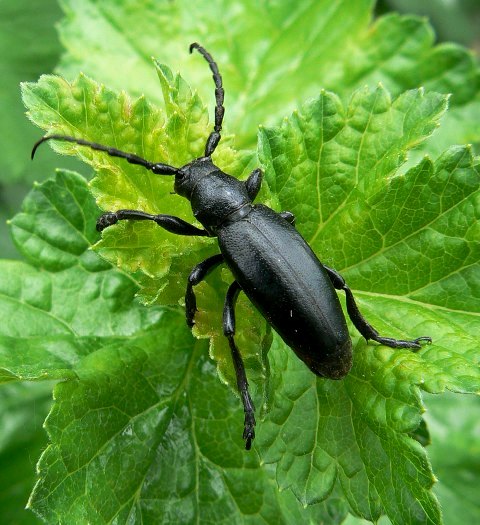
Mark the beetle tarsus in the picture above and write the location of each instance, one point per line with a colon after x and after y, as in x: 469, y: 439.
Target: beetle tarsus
x: 399, y: 343
x: 106, y: 220
x: 425, y: 338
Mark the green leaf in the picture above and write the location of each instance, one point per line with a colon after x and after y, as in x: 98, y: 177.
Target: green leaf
x: 31, y: 47
x: 57, y: 224
x: 274, y: 55
x: 408, y: 246
x: 23, y: 408
x: 141, y: 428
x: 351, y: 435
x: 342, y: 151
x: 405, y: 239
x: 399, y: 52
x: 163, y: 260
x: 139, y: 401
x: 454, y: 424
x: 259, y: 37
x: 146, y: 446
x: 52, y: 318
x: 336, y: 168
x: 168, y: 453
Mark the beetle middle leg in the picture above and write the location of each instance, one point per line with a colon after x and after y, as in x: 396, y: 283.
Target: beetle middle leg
x: 242, y: 383
x: 198, y: 274
x: 361, y: 324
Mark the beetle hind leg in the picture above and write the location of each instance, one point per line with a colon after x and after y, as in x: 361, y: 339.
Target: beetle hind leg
x: 242, y: 383
x: 362, y: 325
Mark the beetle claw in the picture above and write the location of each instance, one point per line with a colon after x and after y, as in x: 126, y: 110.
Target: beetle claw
x: 416, y: 343
x: 425, y: 338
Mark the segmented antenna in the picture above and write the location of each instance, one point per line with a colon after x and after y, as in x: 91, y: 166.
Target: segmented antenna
x: 157, y: 167
x: 214, y: 137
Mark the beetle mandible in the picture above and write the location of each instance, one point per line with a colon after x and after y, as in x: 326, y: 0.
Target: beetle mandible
x: 270, y: 261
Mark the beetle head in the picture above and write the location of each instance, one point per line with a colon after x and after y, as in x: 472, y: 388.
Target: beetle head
x: 187, y: 177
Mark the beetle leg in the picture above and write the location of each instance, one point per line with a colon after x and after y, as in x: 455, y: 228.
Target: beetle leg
x: 168, y: 222
x: 361, y: 324
x: 242, y: 383
x: 253, y: 183
x: 199, y: 272
x: 288, y: 216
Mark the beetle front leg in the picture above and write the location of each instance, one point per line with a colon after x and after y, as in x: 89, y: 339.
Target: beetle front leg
x: 199, y: 272
x: 242, y: 383
x: 362, y: 325
x: 168, y: 222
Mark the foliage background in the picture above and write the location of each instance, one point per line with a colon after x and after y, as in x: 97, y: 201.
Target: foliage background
x: 33, y: 49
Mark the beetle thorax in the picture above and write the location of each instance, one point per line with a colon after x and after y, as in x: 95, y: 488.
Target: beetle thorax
x: 213, y: 194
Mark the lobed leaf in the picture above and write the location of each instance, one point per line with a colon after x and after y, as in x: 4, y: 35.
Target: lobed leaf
x: 54, y: 312
x: 168, y: 453
x: 161, y: 261
x: 141, y: 428
x: 404, y: 243
x: 341, y: 151
x: 349, y: 157
x: 274, y: 55
x: 405, y: 239
x: 451, y: 454
x: 23, y: 408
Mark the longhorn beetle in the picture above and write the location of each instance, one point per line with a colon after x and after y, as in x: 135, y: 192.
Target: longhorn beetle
x: 271, y: 262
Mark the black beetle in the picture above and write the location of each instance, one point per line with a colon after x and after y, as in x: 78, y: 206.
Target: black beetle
x: 270, y: 260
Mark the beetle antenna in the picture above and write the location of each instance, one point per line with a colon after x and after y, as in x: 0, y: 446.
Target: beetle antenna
x: 157, y: 167
x: 214, y: 137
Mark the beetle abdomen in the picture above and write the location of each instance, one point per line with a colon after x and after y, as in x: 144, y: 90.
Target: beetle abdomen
x: 283, y: 278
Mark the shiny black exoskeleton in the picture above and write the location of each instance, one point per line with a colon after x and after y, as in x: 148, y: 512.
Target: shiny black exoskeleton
x: 269, y: 259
